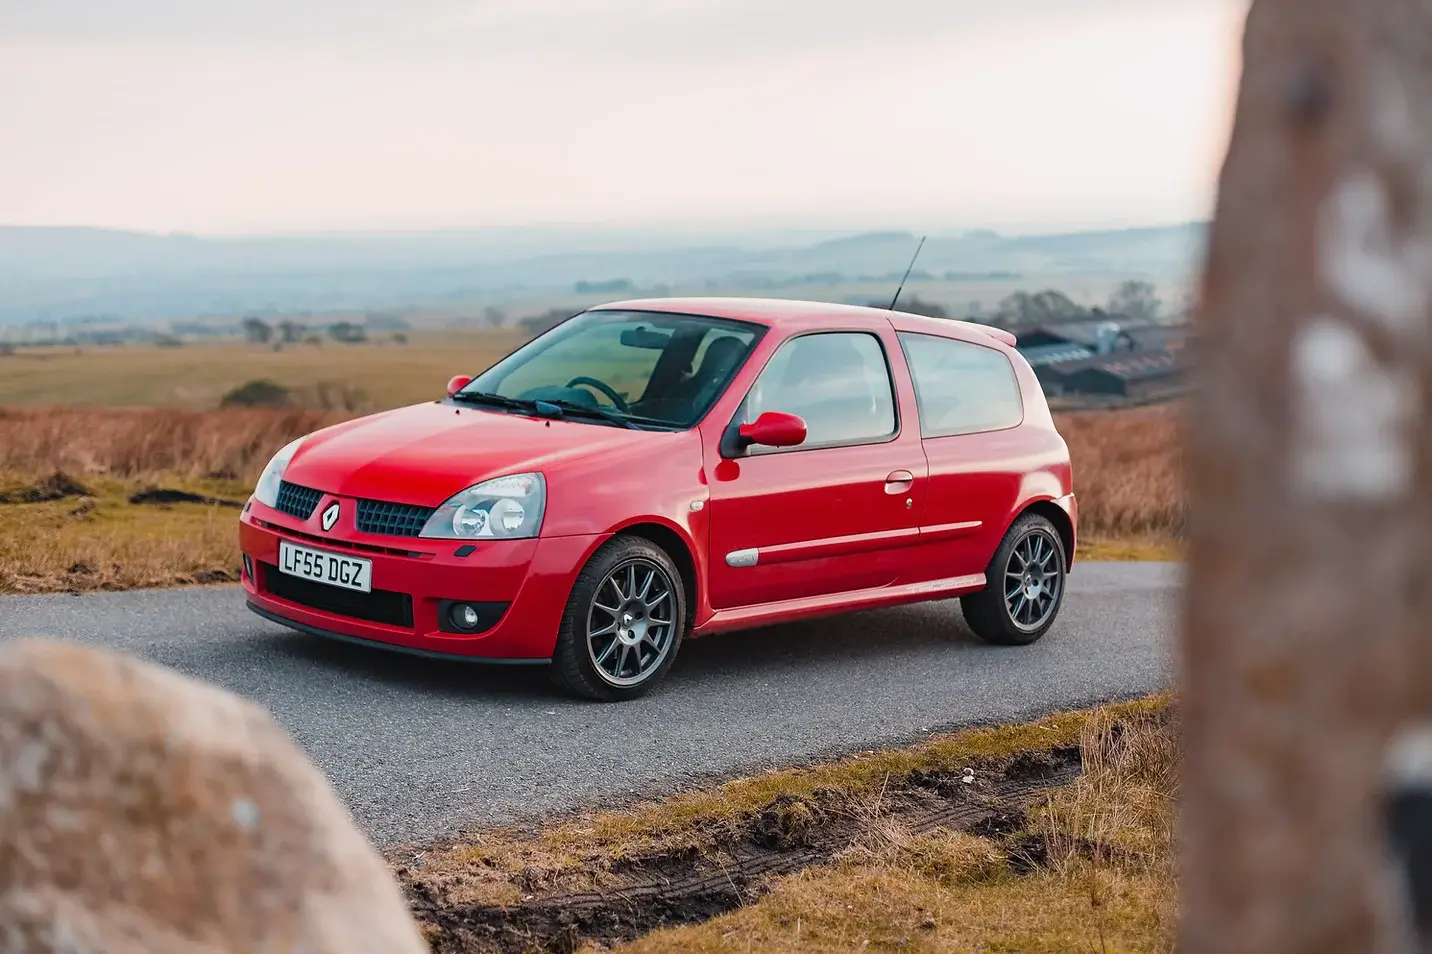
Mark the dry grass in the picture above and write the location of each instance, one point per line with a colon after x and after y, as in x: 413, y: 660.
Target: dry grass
x: 1094, y: 872
x: 1124, y: 803
x: 1127, y: 464
x: 151, y: 443
x: 1126, y: 468
x: 499, y: 867
x: 1128, y: 472
x: 100, y: 541
x: 1089, y: 868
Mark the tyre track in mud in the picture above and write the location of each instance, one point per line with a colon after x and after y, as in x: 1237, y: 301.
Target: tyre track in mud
x: 788, y: 835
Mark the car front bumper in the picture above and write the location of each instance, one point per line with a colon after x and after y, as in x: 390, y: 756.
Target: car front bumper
x: 520, y: 586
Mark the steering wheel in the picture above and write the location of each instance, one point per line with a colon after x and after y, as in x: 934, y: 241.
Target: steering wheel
x: 606, y: 389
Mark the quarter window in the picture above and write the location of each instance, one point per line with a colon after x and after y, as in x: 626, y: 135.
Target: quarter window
x: 961, y: 388
x: 838, y: 382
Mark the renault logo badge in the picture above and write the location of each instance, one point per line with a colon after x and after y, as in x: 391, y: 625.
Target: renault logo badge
x: 330, y: 516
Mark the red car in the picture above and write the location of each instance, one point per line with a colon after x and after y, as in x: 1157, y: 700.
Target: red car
x: 649, y: 471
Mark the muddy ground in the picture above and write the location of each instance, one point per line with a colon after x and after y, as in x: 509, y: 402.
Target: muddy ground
x: 735, y: 866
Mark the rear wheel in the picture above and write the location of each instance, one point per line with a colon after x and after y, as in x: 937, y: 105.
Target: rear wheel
x: 1024, y: 586
x: 623, y: 624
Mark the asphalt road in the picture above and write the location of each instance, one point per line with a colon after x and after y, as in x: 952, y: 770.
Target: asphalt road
x: 422, y: 748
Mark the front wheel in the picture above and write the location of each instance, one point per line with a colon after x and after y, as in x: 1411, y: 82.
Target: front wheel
x: 1024, y: 585
x: 623, y: 624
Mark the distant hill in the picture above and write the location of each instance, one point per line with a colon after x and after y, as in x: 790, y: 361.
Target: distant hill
x: 66, y: 274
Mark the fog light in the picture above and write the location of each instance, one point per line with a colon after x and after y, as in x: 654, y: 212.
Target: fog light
x: 248, y: 567
x: 464, y: 616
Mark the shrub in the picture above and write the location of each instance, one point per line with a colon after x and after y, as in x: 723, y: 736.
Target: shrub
x: 260, y: 393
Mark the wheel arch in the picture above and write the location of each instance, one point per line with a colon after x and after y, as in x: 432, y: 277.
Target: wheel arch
x: 675, y: 545
x: 1056, y: 515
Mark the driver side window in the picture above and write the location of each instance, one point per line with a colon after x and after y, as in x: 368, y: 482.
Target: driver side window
x: 837, y: 382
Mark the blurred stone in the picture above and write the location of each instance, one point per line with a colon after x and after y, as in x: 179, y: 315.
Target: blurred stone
x: 142, y: 812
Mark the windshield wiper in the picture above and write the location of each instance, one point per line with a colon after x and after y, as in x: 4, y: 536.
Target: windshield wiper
x: 578, y: 410
x: 558, y: 408
x: 495, y: 400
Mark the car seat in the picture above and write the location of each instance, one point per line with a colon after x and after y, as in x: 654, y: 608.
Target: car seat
x: 722, y: 356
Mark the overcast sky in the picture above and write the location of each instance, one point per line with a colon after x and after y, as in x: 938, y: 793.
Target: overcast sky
x: 303, y: 115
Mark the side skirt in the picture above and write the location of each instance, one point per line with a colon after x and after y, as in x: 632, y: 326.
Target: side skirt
x: 809, y: 607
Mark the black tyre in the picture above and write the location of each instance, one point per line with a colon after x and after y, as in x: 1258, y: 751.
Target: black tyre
x: 624, y: 622
x: 1024, y: 585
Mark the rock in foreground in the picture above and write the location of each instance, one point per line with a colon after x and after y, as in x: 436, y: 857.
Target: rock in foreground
x: 142, y: 812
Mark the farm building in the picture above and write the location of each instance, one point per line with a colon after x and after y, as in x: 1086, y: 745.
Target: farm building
x: 1107, y: 358
x: 1054, y: 352
x: 1103, y: 335
x: 1137, y: 374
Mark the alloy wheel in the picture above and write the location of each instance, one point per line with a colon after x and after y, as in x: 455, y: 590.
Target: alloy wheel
x: 631, y: 622
x: 1033, y: 581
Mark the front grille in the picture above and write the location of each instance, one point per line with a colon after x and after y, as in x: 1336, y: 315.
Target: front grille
x: 392, y: 519
x: 379, y: 606
x: 332, y: 544
x: 297, y: 501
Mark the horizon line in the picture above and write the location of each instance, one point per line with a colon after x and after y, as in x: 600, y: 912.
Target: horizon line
x: 695, y: 230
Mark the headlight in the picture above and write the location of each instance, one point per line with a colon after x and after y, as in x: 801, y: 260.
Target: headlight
x: 266, y: 491
x: 508, y: 508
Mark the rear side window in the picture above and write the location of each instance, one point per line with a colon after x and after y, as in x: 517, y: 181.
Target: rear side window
x: 961, y: 388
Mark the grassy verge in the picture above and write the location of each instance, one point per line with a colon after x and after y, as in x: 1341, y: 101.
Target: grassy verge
x: 1050, y: 836
x: 1119, y: 550
x: 96, y: 539
x: 99, y: 540
x: 93, y: 538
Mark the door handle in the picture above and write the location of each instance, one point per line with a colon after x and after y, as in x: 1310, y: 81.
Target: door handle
x: 899, y: 482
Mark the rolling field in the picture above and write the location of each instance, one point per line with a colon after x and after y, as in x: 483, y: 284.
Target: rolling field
x: 198, y: 376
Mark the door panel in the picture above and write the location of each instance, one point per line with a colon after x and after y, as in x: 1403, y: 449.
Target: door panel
x: 822, y: 521
x: 838, y: 513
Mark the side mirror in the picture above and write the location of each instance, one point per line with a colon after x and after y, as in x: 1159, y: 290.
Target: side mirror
x: 458, y: 383
x: 774, y: 429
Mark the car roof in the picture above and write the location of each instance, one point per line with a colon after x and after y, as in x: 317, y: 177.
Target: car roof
x: 778, y: 312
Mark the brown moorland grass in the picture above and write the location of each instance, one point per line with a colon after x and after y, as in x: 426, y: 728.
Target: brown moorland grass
x: 95, y: 539
x: 1087, y: 865
x: 143, y: 443
x: 1126, y: 465
x: 1128, y: 471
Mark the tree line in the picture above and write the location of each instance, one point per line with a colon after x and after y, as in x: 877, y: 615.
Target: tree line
x: 257, y: 331
x: 1135, y: 300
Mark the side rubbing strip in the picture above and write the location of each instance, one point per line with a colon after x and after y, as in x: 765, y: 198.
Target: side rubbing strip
x: 743, y: 557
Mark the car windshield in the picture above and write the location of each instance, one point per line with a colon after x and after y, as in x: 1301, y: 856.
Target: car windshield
x: 624, y: 367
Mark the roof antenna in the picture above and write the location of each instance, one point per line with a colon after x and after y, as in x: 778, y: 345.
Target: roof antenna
x: 907, y: 272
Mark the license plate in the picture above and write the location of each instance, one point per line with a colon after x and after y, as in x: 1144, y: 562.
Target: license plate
x: 351, y: 573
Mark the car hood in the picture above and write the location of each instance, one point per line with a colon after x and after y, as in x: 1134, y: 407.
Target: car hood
x: 424, y: 454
